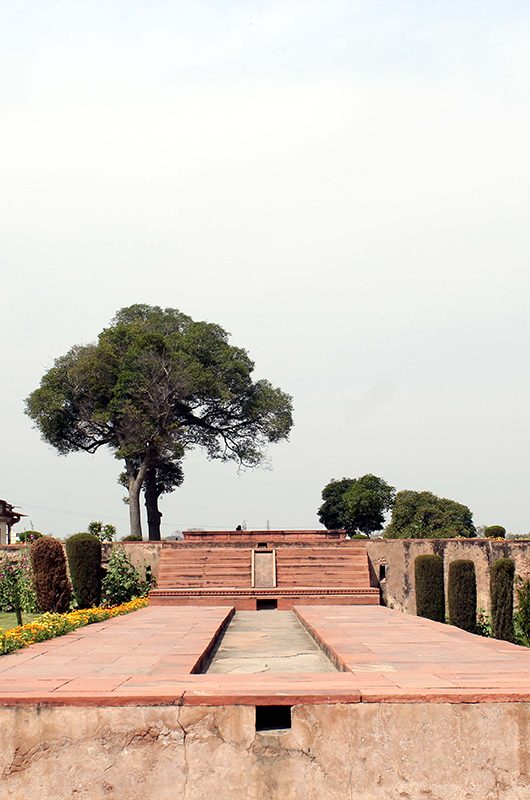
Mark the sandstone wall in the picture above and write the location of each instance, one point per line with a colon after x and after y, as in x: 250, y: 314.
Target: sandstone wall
x: 141, y: 554
x: 397, y: 556
x: 337, y: 752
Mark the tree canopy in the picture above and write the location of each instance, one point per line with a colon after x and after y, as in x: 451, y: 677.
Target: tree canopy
x: 423, y: 515
x: 155, y: 384
x: 358, y: 505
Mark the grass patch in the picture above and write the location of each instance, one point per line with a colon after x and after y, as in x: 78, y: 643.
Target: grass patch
x: 8, y: 621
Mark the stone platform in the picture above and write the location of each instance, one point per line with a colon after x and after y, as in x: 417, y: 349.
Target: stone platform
x: 120, y: 710
x: 156, y: 655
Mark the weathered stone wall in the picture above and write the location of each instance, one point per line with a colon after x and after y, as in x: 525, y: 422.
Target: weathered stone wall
x: 141, y: 554
x: 397, y: 556
x: 337, y: 752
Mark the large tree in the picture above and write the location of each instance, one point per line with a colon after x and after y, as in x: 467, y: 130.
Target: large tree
x: 358, y: 505
x: 423, y: 515
x: 155, y: 384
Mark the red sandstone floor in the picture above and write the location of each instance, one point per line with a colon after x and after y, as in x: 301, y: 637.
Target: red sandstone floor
x: 147, y: 657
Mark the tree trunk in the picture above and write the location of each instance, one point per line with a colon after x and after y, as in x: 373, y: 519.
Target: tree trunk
x: 136, y: 479
x: 151, y: 503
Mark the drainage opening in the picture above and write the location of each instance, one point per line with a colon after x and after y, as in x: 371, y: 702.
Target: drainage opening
x: 266, y: 605
x: 382, y: 572
x: 273, y: 718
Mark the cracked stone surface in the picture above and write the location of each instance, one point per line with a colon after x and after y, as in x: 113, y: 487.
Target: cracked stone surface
x: 337, y: 752
x: 268, y: 641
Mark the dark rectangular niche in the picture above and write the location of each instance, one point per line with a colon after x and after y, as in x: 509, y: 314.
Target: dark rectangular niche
x: 273, y: 718
x: 266, y: 605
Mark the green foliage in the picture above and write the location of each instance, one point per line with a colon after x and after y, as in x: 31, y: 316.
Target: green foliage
x: 422, y: 515
x: 9, y: 584
x: 483, y: 627
x: 331, y: 512
x: 50, y: 576
x: 495, y: 532
x: 462, y: 595
x: 356, y: 504
x: 84, y: 561
x: 132, y: 537
x: 16, y: 585
x: 502, y: 576
x: 522, y: 615
x: 429, y: 587
x: 122, y: 581
x: 105, y: 533
x: 26, y: 537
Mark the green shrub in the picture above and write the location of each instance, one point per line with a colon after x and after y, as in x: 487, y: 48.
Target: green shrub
x: 462, y: 595
x: 84, y: 561
x: 49, y: 575
x: 522, y: 615
x: 132, y: 537
x: 122, y: 581
x: 16, y: 585
x: 495, y: 532
x: 502, y: 575
x: 29, y: 536
x: 429, y: 580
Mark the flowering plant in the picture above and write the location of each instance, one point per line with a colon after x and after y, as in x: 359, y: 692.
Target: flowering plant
x: 16, y: 584
x: 49, y: 625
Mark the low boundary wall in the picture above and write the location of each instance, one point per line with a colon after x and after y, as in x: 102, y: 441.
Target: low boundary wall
x: 397, y: 557
x: 393, y: 557
x: 358, y: 751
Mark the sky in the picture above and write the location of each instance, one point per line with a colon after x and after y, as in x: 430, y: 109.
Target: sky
x: 344, y: 186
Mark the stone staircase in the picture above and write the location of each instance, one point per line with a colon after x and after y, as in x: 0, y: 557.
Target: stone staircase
x: 205, y: 567
x: 342, y: 566
x: 222, y: 574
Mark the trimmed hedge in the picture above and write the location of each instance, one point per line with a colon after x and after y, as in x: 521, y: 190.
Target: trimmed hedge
x: 502, y: 575
x: 429, y: 580
x: 495, y: 532
x: 462, y: 595
x: 84, y: 561
x: 49, y: 575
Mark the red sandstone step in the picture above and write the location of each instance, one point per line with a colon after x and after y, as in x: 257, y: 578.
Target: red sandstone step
x: 246, y: 598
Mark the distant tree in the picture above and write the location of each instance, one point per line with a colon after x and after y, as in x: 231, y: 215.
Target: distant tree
x: 356, y: 504
x: 422, y: 515
x: 29, y: 536
x: 495, y: 532
x: 331, y: 512
x: 154, y: 385
x: 105, y: 533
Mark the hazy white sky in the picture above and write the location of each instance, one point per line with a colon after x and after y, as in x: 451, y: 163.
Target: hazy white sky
x: 344, y: 186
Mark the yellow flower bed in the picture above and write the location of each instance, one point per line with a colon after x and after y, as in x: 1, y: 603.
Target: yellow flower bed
x: 49, y: 625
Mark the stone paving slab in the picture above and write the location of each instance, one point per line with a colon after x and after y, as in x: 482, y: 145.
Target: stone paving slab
x: 147, y: 658
x: 397, y: 657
